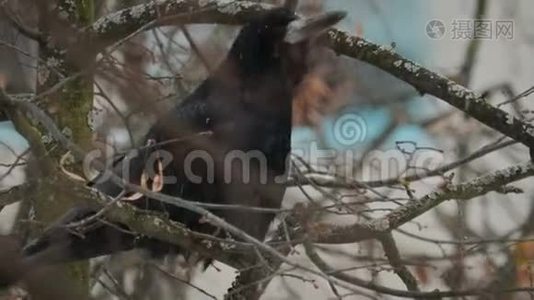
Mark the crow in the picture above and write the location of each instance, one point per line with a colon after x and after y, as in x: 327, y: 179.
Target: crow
x: 226, y: 143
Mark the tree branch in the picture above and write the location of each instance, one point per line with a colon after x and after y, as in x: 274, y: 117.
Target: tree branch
x: 12, y: 195
x: 405, y: 213
x: 155, y: 225
x: 392, y: 253
x: 428, y: 82
x: 117, y: 25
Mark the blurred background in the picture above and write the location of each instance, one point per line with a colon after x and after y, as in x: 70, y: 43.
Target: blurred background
x: 458, y: 245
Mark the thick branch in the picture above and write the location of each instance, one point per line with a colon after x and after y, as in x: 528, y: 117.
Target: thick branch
x: 120, y: 24
x: 392, y: 253
x: 154, y: 225
x: 428, y: 82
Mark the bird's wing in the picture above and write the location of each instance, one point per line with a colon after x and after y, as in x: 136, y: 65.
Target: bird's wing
x: 59, y: 243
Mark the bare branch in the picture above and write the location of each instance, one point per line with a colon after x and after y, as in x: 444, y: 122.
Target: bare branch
x: 123, y: 22
x: 403, y: 214
x: 12, y: 195
x: 393, y: 255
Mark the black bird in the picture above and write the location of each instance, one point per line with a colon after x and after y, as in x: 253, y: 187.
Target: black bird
x: 229, y: 142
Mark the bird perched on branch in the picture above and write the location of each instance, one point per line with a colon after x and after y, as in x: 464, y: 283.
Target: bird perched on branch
x: 227, y: 144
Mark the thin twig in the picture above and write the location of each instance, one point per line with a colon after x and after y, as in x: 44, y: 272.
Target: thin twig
x: 186, y: 282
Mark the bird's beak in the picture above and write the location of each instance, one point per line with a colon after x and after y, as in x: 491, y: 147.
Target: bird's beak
x: 303, y: 29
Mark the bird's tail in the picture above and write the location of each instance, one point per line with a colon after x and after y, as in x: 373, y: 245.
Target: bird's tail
x: 75, y: 238
x: 61, y: 243
x: 64, y: 242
